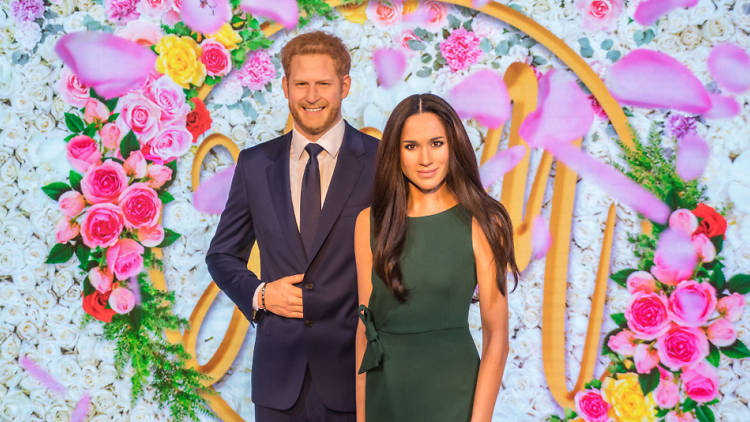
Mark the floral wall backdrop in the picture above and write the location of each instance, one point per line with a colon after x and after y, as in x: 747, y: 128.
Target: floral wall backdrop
x: 41, y: 315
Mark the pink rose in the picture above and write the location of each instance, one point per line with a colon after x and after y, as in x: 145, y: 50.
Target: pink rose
x: 645, y: 358
x: 682, y: 346
x: 641, y: 281
x: 435, y: 13
x: 158, y: 175
x: 691, y: 303
x: 142, y: 32
x: 121, y: 300
x: 683, y: 220
x: 66, y: 230
x: 704, y: 247
x: 154, y: 8
x: 461, y: 49
x: 170, y: 142
x: 135, y: 165
x: 215, y: 57
x: 101, y: 280
x: 731, y: 306
x: 383, y: 14
x: 102, y: 225
x: 104, y: 183
x: 599, y: 14
x: 622, y: 343
x: 647, y: 315
x: 404, y: 38
x: 125, y: 258
x: 667, y: 394
x: 722, y: 333
x: 701, y: 382
x: 591, y: 406
x: 140, y: 206
x: 111, y: 135
x: 668, y: 275
x: 71, y: 89
x: 150, y: 237
x: 676, y: 416
x: 139, y: 114
x: 83, y: 153
x: 71, y: 203
x: 95, y: 111
x: 169, y: 98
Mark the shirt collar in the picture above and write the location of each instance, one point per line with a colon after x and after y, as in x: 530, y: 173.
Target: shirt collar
x: 330, y: 141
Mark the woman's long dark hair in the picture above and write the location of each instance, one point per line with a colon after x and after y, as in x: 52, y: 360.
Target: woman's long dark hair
x: 391, y: 191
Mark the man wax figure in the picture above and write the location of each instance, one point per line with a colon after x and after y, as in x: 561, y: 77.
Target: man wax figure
x: 298, y: 196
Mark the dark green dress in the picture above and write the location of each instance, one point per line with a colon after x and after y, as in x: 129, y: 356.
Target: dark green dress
x: 421, y: 361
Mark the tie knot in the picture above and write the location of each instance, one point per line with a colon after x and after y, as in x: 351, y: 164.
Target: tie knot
x: 313, y: 149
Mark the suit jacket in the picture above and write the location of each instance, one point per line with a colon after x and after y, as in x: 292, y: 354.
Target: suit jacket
x: 259, y: 208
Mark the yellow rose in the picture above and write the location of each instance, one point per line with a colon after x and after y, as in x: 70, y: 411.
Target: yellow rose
x: 627, y: 400
x: 179, y: 57
x: 410, y: 6
x: 354, y: 12
x: 227, y: 36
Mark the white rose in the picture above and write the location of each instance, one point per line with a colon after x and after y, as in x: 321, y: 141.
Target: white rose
x: 40, y: 94
x: 10, y: 347
x: 675, y: 21
x: 239, y: 133
x: 741, y: 13
x: 743, y: 390
x: 8, y: 372
x: 35, y: 253
x: 36, y: 74
x: 28, y: 34
x: 691, y: 37
x: 718, y: 29
x: 228, y: 91
x: 586, y: 233
x: 74, y: 22
x: 66, y: 335
x: 16, y: 406
x: 142, y: 413
x: 72, y: 295
x: 58, y: 108
x: 530, y: 317
x: 700, y: 12
x: 57, y: 412
x: 101, y: 400
x: 669, y: 44
x: 28, y: 331
x: 9, y: 85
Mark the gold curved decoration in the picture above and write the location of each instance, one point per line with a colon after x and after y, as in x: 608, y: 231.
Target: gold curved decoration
x: 522, y: 87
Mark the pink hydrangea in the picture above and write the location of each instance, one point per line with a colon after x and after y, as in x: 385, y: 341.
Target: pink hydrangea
x: 257, y: 70
x: 122, y: 10
x: 461, y: 49
x: 27, y: 10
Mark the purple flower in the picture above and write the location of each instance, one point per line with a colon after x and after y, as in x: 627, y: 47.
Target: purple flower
x: 27, y: 10
x: 679, y: 125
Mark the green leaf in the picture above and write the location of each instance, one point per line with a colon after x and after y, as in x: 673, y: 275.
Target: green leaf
x: 584, y: 42
x: 87, y: 287
x: 112, y: 103
x: 594, y: 383
x: 69, y: 137
x: 619, y: 319
x: 606, y: 44
x: 688, y: 405
x: 621, y: 276
x: 662, y: 413
x: 60, y: 253
x: 737, y: 350
x: 467, y: 25
x: 718, y: 280
x: 74, y: 123
x: 638, y: 37
x: 648, y: 36
x: 538, y: 61
x: 485, y: 45
x: 649, y: 381
x: 705, y: 414
x: 113, y: 117
x: 517, y: 8
x: 170, y: 236
x: 212, y: 80
x: 422, y: 34
x: 416, y: 45
x: 95, y: 95
x: 713, y: 355
x: 55, y: 189
x: 587, y: 52
x: 570, y: 413
x: 75, y: 180
x: 740, y: 283
x: 502, y: 48
x: 426, y: 57
x: 90, y: 130
x: 528, y: 42
x: 454, y: 22
x: 614, y: 55
x: 554, y: 418
x: 718, y: 242
x: 82, y: 253
x: 424, y: 72
x: 136, y: 315
x: 165, y: 197
x: 129, y: 144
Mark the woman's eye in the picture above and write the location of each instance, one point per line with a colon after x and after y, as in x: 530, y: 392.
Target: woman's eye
x: 437, y: 143
x: 410, y: 147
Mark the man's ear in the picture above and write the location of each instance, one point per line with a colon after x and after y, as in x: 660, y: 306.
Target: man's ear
x: 285, y: 86
x: 346, y: 83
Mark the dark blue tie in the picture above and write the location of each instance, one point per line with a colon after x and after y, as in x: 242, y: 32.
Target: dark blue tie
x: 310, y: 198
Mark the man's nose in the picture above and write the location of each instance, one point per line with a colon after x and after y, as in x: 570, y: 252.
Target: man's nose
x: 311, y: 95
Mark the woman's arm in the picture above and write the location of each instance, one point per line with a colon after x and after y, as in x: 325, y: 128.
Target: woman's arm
x: 363, y: 257
x: 493, y: 307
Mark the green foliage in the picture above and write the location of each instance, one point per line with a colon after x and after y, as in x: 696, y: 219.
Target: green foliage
x: 55, y: 189
x: 713, y: 356
x: 157, y: 364
x: 649, y: 381
x: 310, y: 8
x: 619, y: 319
x: 621, y: 276
x: 60, y: 253
x: 740, y: 283
x: 737, y: 350
x: 129, y: 144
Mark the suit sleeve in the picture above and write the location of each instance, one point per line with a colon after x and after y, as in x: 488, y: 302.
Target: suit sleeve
x: 230, y: 247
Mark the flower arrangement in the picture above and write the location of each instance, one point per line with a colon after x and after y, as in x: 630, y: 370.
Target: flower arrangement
x: 681, y: 315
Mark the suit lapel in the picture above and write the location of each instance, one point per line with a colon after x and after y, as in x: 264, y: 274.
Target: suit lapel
x: 345, y: 176
x: 281, y: 196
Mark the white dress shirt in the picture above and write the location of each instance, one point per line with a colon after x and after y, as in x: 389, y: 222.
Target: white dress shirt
x: 298, y: 158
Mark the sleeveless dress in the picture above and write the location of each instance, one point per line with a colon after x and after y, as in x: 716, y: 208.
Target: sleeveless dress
x: 421, y: 361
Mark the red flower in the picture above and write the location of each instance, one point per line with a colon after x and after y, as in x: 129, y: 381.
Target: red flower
x: 198, y: 120
x: 95, y: 305
x: 711, y: 222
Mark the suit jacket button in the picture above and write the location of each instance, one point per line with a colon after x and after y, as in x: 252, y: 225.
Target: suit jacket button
x: 308, y: 323
x: 309, y: 286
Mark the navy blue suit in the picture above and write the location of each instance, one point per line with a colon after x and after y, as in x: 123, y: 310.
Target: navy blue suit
x: 259, y: 209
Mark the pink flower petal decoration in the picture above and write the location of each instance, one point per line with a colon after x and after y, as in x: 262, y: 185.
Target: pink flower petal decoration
x: 390, y: 64
x: 647, y: 78
x: 722, y: 107
x: 564, y: 113
x: 649, y: 11
x: 482, y: 96
x: 284, y: 12
x: 211, y: 195
x: 127, y: 64
x: 82, y: 408
x: 135, y: 288
x: 729, y: 65
x: 611, y: 180
x: 692, y: 156
x: 540, y: 237
x: 205, y: 16
x: 676, y: 251
x: 479, y: 3
x: 503, y: 162
x: 42, y: 376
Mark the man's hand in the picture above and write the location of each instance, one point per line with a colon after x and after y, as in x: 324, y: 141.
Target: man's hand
x: 284, y: 299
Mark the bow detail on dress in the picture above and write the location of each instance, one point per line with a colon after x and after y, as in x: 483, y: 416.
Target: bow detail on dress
x: 374, y: 350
